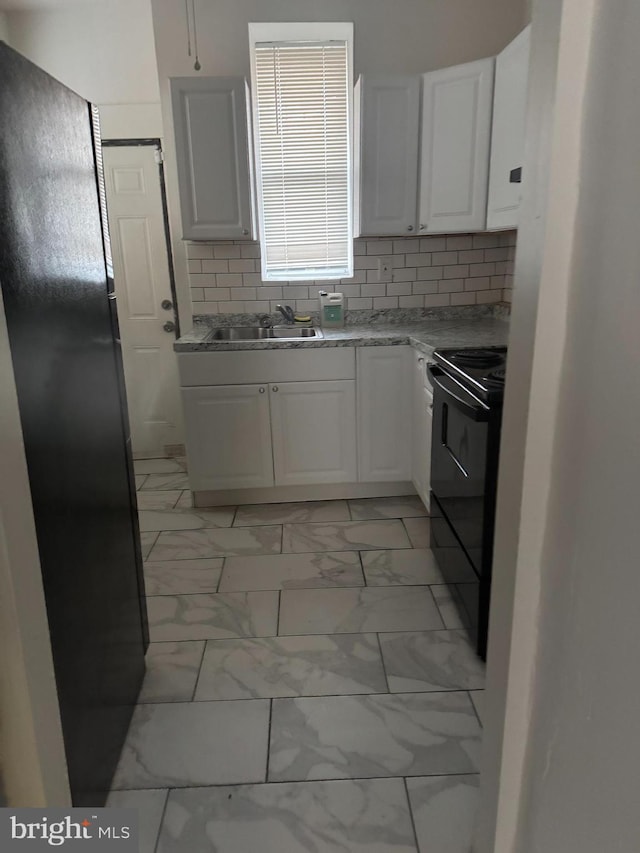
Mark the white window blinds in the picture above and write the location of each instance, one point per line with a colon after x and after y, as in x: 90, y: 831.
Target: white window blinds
x: 303, y: 147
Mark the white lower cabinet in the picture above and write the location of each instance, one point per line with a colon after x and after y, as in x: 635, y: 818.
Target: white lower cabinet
x: 422, y: 427
x: 228, y: 436
x: 314, y: 432
x: 384, y: 414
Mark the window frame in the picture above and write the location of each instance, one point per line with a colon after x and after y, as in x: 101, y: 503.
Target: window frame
x: 310, y: 31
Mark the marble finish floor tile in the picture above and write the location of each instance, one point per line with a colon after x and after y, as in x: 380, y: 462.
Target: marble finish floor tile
x: 172, y: 672
x: 344, y: 611
x: 344, y: 816
x: 292, y: 571
x: 185, y: 519
x: 292, y: 512
x: 210, y: 617
x: 411, y: 566
x: 291, y: 666
x: 194, y: 743
x: 176, y: 480
x: 410, y: 734
x: 217, y: 542
x: 150, y: 807
x: 344, y: 536
x: 147, y: 541
x: 402, y: 507
x: 446, y: 598
x: 162, y: 499
x: 431, y: 660
x: 185, y: 501
x: 181, y: 577
x: 444, y: 811
x: 419, y: 530
x: 478, y: 699
x: 156, y: 466
x: 140, y: 478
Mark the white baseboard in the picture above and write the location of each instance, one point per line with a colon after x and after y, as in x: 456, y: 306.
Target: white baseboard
x: 284, y: 494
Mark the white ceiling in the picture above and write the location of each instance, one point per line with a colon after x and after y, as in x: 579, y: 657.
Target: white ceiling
x: 30, y: 5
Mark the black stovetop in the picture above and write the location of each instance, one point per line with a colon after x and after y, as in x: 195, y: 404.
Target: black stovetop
x: 482, y: 370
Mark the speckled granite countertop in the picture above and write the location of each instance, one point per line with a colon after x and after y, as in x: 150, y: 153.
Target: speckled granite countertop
x: 423, y: 334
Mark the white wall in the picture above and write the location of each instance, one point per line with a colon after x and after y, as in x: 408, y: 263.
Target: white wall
x: 569, y: 752
x: 105, y: 52
x: 4, y: 28
x: 404, y: 36
x: 32, y: 760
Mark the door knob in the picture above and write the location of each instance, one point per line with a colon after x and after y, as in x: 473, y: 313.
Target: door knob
x: 274, y: 388
x: 409, y: 227
x: 167, y: 304
x: 169, y: 326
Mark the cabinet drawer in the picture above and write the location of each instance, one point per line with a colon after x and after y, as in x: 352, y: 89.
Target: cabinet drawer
x: 264, y: 366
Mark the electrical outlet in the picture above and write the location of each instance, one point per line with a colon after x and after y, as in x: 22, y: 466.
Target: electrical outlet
x: 385, y: 271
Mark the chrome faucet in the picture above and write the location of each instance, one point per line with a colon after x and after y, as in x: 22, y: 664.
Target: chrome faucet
x: 287, y: 313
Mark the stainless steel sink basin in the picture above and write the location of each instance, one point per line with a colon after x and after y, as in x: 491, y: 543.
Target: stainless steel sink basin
x: 257, y: 333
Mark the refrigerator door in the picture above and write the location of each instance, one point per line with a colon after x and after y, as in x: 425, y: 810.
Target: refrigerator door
x: 68, y: 375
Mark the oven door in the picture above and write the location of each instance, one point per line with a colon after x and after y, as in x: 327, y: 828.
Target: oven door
x: 459, y: 461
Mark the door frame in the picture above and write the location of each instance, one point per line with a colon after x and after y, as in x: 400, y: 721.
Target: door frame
x: 156, y: 143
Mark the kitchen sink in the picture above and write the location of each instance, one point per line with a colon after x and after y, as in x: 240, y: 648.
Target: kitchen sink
x: 257, y: 333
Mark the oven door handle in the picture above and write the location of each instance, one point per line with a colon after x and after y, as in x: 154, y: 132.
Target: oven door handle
x: 478, y: 413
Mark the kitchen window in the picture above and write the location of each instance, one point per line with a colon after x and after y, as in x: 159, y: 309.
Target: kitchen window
x: 302, y: 84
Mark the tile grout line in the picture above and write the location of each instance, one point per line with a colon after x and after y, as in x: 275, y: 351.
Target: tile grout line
x: 299, y: 781
x: 266, y: 770
x: 388, y: 694
x: 197, y: 681
x: 278, y: 614
x: 384, y: 665
x: 162, y: 817
x: 473, y: 705
x: 411, y: 817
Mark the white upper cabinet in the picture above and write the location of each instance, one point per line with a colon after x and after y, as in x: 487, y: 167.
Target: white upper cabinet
x: 387, y: 120
x: 456, y: 138
x: 210, y: 121
x: 507, y: 147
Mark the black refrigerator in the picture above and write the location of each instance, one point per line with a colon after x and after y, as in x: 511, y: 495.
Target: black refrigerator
x: 57, y: 287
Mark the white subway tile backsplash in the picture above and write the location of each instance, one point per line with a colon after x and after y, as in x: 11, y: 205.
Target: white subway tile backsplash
x: 481, y: 270
x: 374, y: 289
x: 486, y: 296
x: 456, y: 269
x: 433, y: 244
x: 422, y: 259
x: 217, y: 294
x: 460, y: 241
x: 242, y: 265
x: 215, y: 266
x: 399, y: 288
x: 452, y: 285
x: 199, y: 250
x: 226, y: 251
x: 244, y: 293
x: 385, y: 302
x: 230, y: 279
x: 360, y: 303
x: 444, y: 258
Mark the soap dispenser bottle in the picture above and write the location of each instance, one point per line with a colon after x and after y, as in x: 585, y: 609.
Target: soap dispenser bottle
x: 331, y: 310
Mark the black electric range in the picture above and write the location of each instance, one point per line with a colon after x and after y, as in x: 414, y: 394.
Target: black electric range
x: 468, y: 390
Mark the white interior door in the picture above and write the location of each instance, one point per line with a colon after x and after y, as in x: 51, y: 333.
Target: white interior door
x: 142, y: 284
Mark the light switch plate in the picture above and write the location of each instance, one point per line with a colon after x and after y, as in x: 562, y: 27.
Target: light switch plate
x: 385, y: 270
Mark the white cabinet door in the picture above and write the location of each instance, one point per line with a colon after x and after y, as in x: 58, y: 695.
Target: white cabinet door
x: 314, y: 432
x: 421, y: 430
x: 384, y: 414
x: 228, y: 436
x: 507, y: 140
x: 456, y: 137
x: 212, y: 149
x: 387, y: 108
